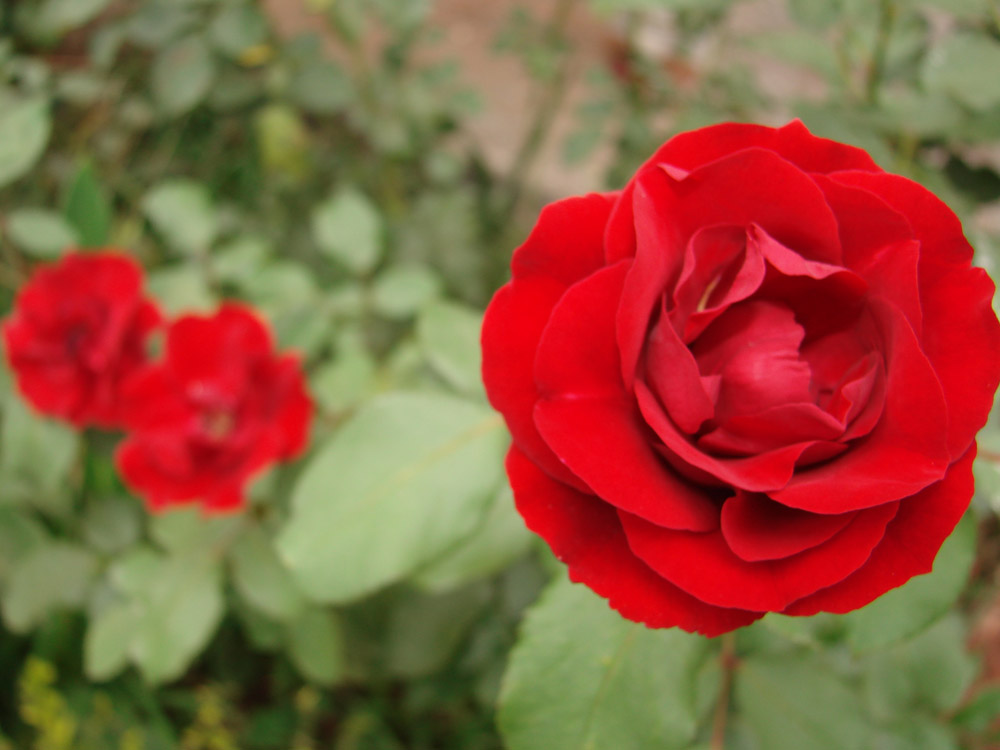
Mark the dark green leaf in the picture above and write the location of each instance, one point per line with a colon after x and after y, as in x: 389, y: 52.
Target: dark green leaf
x: 87, y: 208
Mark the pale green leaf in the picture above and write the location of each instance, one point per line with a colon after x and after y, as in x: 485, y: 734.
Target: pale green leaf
x: 182, y: 608
x: 315, y: 646
x: 41, y: 232
x: 106, y: 643
x: 401, y: 290
x: 903, y: 612
x: 964, y: 65
x: 794, y: 701
x: 262, y: 579
x: 51, y: 576
x: 501, y: 539
x: 449, y: 337
x: 584, y: 678
x: 25, y: 125
x: 182, y: 75
x: 181, y: 210
x: 348, y: 228
x: 405, y: 479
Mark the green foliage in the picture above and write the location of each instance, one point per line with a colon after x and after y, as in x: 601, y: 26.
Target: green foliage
x: 582, y: 676
x: 370, y: 595
x: 402, y: 482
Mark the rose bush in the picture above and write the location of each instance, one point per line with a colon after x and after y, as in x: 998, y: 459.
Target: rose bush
x: 219, y: 408
x: 78, y: 329
x: 748, y: 382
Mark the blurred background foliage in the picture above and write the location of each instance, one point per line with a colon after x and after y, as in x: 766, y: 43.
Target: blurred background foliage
x: 371, y: 595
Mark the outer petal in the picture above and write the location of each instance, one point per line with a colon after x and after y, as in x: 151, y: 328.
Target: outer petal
x: 756, y: 528
x: 512, y: 326
x: 962, y: 336
x: 584, y: 533
x: 793, y: 142
x: 567, y: 243
x: 705, y: 566
x: 590, y: 423
x: 910, y: 544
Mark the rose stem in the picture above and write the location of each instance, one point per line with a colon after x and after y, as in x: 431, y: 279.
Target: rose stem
x: 876, y: 68
x: 556, y: 33
x: 727, y: 660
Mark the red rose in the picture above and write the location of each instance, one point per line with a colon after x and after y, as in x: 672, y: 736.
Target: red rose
x: 78, y: 329
x: 220, y: 407
x: 749, y: 382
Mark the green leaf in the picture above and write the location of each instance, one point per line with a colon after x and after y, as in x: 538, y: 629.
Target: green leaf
x: 51, y: 576
x: 501, y: 539
x: 981, y: 710
x: 401, y: 290
x: 50, y: 19
x: 405, y: 479
x: 133, y: 572
x: 261, y: 579
x: 315, y: 646
x: 963, y: 65
x: 237, y: 27
x: 903, y: 612
x: 87, y: 208
x: 424, y: 631
x: 37, y: 454
x: 25, y: 125
x: 182, y: 608
x: 181, y: 210
x: 927, y: 675
x: 111, y: 524
x: 582, y: 676
x: 348, y: 379
x: 106, y: 643
x: 347, y: 227
x: 283, y: 141
x: 181, y: 289
x: 321, y: 87
x: 19, y: 535
x: 40, y: 232
x: 183, y: 529
x: 795, y: 701
x: 182, y: 75
x: 449, y: 337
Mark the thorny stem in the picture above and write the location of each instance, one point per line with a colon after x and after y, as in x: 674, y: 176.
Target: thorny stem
x: 876, y: 67
x: 552, y: 98
x: 727, y: 661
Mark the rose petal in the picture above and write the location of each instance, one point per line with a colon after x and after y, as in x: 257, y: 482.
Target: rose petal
x: 705, y: 566
x: 757, y: 528
x: 760, y: 473
x: 585, y: 533
x: 567, y: 242
x: 512, y: 326
x: 672, y: 373
x: 770, y: 429
x: 911, y: 542
x: 904, y: 453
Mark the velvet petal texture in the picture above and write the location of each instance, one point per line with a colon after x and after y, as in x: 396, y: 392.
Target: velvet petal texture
x: 749, y: 382
x: 78, y: 330
x: 219, y: 408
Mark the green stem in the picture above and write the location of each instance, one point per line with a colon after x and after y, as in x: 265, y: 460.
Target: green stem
x: 876, y: 67
x: 727, y: 662
x: 552, y: 98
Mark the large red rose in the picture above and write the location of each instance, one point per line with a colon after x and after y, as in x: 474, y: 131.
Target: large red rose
x: 78, y: 329
x: 749, y: 382
x: 219, y: 408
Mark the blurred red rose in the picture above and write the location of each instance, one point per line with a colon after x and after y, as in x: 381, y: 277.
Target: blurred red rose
x: 220, y: 407
x: 78, y: 329
x: 749, y: 382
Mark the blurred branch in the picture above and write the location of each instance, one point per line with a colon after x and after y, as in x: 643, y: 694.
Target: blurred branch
x: 727, y: 662
x: 551, y: 99
x: 876, y: 66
